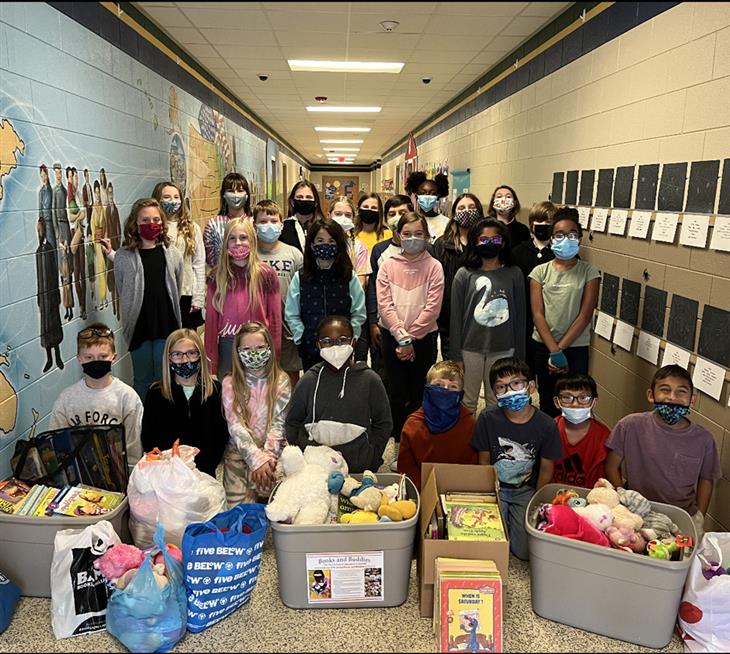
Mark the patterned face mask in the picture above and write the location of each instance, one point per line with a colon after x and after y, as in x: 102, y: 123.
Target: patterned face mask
x: 671, y: 413
x: 254, y: 359
x: 171, y: 207
x: 185, y: 370
x: 467, y: 218
x: 514, y: 400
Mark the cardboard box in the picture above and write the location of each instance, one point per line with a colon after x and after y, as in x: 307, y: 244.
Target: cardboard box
x: 442, y: 477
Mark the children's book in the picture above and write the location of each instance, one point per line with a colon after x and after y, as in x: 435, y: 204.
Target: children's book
x: 473, y: 520
x: 86, y: 500
x: 12, y: 494
x: 467, y: 606
x: 53, y: 505
x: 24, y: 507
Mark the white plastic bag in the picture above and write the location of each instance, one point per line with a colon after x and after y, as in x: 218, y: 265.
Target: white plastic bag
x: 704, y: 614
x: 167, y: 487
x: 79, y: 593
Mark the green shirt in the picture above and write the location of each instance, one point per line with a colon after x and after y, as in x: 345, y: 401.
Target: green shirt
x: 562, y: 293
x: 188, y: 390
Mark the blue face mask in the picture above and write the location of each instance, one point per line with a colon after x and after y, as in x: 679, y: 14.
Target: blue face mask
x: 269, y: 232
x: 170, y: 207
x: 325, y: 251
x: 671, y: 413
x: 565, y: 249
x: 427, y: 202
x: 514, y: 400
x: 442, y: 408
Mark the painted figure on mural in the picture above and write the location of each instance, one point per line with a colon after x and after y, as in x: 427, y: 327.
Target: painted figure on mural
x: 87, y: 196
x: 98, y: 231
x: 104, y: 183
x: 48, y: 297
x: 45, y: 206
x: 114, y: 234
x: 63, y: 234
x: 76, y: 219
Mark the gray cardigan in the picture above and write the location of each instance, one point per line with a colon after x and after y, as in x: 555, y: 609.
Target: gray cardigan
x: 129, y: 278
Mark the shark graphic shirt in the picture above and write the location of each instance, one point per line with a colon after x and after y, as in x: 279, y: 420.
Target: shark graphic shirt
x: 516, y: 449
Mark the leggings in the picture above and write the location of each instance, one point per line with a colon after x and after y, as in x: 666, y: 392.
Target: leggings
x: 577, y: 362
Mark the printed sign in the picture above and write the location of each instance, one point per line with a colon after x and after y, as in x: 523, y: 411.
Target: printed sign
x: 345, y: 577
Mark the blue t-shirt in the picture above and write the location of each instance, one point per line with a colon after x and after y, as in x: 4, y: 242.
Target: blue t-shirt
x: 516, y: 449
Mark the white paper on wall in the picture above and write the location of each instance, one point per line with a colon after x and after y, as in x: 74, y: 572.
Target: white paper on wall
x: 617, y: 222
x: 624, y: 335
x: 676, y: 355
x: 721, y: 234
x: 604, y: 325
x: 708, y: 378
x: 599, y: 220
x: 694, y: 231
x: 665, y: 227
x: 648, y: 347
x: 584, y: 214
x: 640, y: 221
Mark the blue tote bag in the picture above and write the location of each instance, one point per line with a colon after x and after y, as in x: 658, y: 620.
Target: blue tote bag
x: 221, y: 559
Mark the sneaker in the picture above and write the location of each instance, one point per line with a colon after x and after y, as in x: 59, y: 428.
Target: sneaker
x: 394, y: 462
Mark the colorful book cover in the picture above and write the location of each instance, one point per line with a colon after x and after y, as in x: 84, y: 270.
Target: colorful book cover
x: 88, y: 501
x: 470, y: 615
x: 473, y: 521
x: 46, y: 498
x: 24, y: 506
x: 13, y: 491
x: 56, y: 500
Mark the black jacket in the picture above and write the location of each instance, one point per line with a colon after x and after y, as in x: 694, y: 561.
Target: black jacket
x: 200, y: 425
x: 289, y: 234
x: 451, y: 260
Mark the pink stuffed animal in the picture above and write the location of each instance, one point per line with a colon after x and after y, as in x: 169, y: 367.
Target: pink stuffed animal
x: 118, y: 560
x: 628, y: 540
x: 564, y: 521
x: 599, y: 515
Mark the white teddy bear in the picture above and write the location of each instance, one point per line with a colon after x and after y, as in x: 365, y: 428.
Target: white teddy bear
x: 303, y: 498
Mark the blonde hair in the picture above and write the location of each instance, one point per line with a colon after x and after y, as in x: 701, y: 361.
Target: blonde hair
x: 445, y: 370
x: 349, y: 236
x: 274, y: 376
x: 205, y: 379
x: 186, y: 227
x: 132, y: 239
x: 225, y: 274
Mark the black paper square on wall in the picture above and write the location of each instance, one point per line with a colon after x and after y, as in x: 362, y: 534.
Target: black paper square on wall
x: 571, y: 187
x: 655, y: 307
x: 623, y: 186
x: 714, y: 343
x: 646, y: 187
x: 556, y: 197
x: 703, y: 178
x: 630, y: 296
x: 587, y: 186
x: 671, y: 187
x: 723, y: 206
x: 683, y: 322
x: 609, y: 294
x: 605, y: 187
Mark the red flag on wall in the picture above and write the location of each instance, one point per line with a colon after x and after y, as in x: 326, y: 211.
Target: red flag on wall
x: 411, y: 152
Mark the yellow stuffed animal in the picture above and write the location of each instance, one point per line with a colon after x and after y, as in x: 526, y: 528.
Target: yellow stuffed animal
x: 398, y: 510
x: 358, y: 518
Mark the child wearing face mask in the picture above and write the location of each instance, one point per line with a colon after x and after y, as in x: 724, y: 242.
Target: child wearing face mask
x: 410, y: 289
x: 441, y: 430
x: 487, y: 309
x: 582, y: 435
x: 255, y: 401
x: 342, y: 211
x: 520, y: 441
x: 187, y: 237
x: 304, y: 207
x: 426, y: 194
x: 563, y: 296
x: 235, y: 203
x: 666, y: 457
x: 99, y: 397
x: 325, y: 285
x: 505, y: 206
x: 242, y: 289
x: 341, y: 403
x: 370, y: 226
x: 148, y: 274
x: 186, y: 403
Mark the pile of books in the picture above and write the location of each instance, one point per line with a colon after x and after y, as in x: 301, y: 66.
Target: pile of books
x: 467, y: 612
x: 39, y: 500
x: 467, y: 516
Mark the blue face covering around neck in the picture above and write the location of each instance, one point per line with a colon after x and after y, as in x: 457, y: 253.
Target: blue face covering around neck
x: 442, y: 408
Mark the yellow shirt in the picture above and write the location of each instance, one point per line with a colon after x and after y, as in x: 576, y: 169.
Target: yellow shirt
x: 370, y: 239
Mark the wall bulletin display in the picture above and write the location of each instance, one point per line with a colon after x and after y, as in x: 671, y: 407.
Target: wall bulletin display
x: 571, y: 187
x: 339, y: 186
x: 671, y: 187
x: 646, y: 187
x: 623, y: 187
x: 655, y: 306
x: 683, y: 322
x: 702, y: 187
x: 605, y: 187
x: 609, y: 294
x: 714, y: 343
x: 556, y: 195
x: 587, y: 186
x: 630, y: 296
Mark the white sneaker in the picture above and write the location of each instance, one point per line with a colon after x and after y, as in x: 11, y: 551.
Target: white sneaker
x: 394, y: 462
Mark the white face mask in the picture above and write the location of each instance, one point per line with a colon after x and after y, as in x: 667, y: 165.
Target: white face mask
x: 336, y: 355
x: 345, y: 222
x: 577, y: 415
x: 503, y: 204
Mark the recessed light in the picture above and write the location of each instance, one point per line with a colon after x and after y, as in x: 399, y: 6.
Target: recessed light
x: 339, y: 109
x: 315, y: 66
x: 340, y: 140
x: 341, y: 129
x: 341, y: 149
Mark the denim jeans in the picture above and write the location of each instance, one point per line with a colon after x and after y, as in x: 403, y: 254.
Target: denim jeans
x: 147, y: 365
x: 514, y: 504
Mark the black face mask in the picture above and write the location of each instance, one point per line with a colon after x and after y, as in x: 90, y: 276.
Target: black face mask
x: 304, y: 207
x: 542, y: 232
x: 97, y: 369
x: 488, y: 250
x: 369, y: 216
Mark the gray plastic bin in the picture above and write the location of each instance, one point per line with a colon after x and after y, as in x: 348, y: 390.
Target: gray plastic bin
x: 603, y: 590
x: 26, y: 545
x: 395, y: 540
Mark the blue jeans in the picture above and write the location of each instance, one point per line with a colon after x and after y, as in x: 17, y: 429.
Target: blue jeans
x: 147, y: 365
x: 514, y: 504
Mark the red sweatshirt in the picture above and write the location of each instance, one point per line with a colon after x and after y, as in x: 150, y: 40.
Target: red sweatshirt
x: 237, y: 310
x: 585, y: 462
x: 419, y: 445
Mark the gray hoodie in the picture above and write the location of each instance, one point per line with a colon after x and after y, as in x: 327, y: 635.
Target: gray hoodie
x: 353, y: 395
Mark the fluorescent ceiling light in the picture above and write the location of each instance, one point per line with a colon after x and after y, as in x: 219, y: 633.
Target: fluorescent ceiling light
x: 341, y: 149
x: 310, y: 65
x: 341, y: 141
x: 341, y: 129
x: 338, y: 109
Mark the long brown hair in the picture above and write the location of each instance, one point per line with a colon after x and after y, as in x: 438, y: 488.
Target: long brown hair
x: 451, y: 233
x: 275, y: 377
x: 492, y: 213
x: 132, y: 239
x: 185, y: 226
x: 205, y: 379
x: 380, y: 229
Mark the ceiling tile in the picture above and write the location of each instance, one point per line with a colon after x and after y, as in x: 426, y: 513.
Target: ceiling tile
x: 546, y: 9
x: 482, y: 8
x: 338, y: 40
x: 186, y: 35
x: 504, y: 44
x: 220, y: 35
x: 166, y: 17
x: 475, y: 26
x: 200, y: 50
x: 244, y: 52
x: 524, y: 26
x: 228, y: 16
x: 399, y: 7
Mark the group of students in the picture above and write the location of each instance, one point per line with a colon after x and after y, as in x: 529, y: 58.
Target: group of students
x: 320, y: 294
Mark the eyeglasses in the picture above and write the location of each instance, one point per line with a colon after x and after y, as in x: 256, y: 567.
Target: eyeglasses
x: 179, y: 357
x: 341, y: 340
x: 572, y: 236
x: 258, y: 348
x: 515, y: 385
x: 568, y: 399
x: 486, y: 240
x: 93, y: 332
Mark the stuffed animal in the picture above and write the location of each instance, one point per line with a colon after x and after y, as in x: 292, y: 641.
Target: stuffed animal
x: 359, y: 517
x: 603, y: 495
x: 658, y: 549
x: 627, y: 540
x: 599, y: 515
x: 303, y: 497
x: 118, y: 560
x: 660, y: 524
x: 564, y: 521
x: 564, y: 495
x: 622, y: 517
x: 634, y: 501
x: 363, y: 495
x: 398, y: 510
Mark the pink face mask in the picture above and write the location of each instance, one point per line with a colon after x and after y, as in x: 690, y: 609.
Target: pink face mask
x: 239, y: 252
x: 150, y: 231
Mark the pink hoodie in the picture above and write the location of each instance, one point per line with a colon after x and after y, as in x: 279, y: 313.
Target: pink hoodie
x: 410, y: 292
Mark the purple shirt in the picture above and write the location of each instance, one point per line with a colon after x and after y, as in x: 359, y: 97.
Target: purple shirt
x: 665, y: 464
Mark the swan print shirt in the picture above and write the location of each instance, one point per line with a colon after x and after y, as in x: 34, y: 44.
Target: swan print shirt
x: 488, y: 312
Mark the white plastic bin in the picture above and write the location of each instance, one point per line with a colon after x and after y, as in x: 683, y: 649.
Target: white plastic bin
x: 366, y: 565
x: 626, y: 596
x: 26, y: 545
